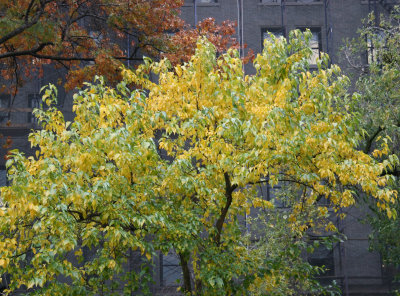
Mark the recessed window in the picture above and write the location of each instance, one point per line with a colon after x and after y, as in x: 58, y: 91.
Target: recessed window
x: 322, y: 257
x: 3, y: 178
x: 273, y: 194
x: 34, y: 101
x: 374, y: 43
x: 371, y: 51
x: 315, y: 44
x: 4, y: 100
x: 4, y: 103
x: 267, y: 32
x: 170, y: 269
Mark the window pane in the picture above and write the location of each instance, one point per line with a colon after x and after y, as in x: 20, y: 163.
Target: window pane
x: 3, y: 179
x: 315, y: 44
x: 323, y: 257
x: 34, y: 101
x: 4, y: 101
x: 373, y: 43
x: 277, y: 32
x: 170, y: 272
x: 266, y: 35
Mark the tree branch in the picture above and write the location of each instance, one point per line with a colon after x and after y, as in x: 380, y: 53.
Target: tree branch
x: 28, y: 10
x: 186, y: 272
x: 25, y: 26
x: 368, y: 145
x: 75, y: 58
x: 395, y: 172
x: 229, y: 188
x: 31, y: 52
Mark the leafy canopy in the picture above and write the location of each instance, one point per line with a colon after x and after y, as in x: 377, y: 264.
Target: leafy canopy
x: 175, y: 166
x: 87, y: 38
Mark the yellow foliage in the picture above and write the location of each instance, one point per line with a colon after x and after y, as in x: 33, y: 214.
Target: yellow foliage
x: 181, y: 161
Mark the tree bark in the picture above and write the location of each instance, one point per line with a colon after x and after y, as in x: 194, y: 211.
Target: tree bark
x: 186, y: 273
x: 229, y: 188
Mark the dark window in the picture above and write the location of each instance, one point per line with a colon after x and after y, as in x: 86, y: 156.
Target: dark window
x: 371, y: 52
x: 322, y: 257
x: 315, y: 44
x: 273, y: 194
x: 267, y: 32
x: 373, y: 43
x: 4, y: 103
x: 3, y: 179
x: 170, y: 269
x: 4, y: 100
x: 34, y: 101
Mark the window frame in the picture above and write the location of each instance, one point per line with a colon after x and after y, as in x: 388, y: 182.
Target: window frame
x: 33, y: 97
x: 318, y: 32
x: 328, y: 260
x: 372, y: 49
x: 273, y: 31
x: 169, y: 266
x: 4, y: 103
x: 270, y: 1
x: 206, y: 1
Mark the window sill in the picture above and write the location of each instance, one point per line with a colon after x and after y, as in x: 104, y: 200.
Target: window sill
x: 201, y: 5
x: 393, y: 2
x: 291, y: 4
x: 269, y: 4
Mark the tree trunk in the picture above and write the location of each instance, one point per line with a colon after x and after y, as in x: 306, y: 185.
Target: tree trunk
x: 186, y: 273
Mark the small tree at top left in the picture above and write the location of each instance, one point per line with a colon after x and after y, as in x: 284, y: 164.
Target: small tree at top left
x: 88, y: 38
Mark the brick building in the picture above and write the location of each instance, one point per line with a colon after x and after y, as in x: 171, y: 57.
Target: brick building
x: 358, y: 271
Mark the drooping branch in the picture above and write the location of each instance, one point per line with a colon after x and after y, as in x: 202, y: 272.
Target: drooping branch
x: 394, y: 172
x: 370, y: 140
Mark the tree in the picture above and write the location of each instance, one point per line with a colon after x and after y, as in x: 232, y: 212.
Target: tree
x: 175, y: 166
x: 89, y: 38
x: 378, y: 85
